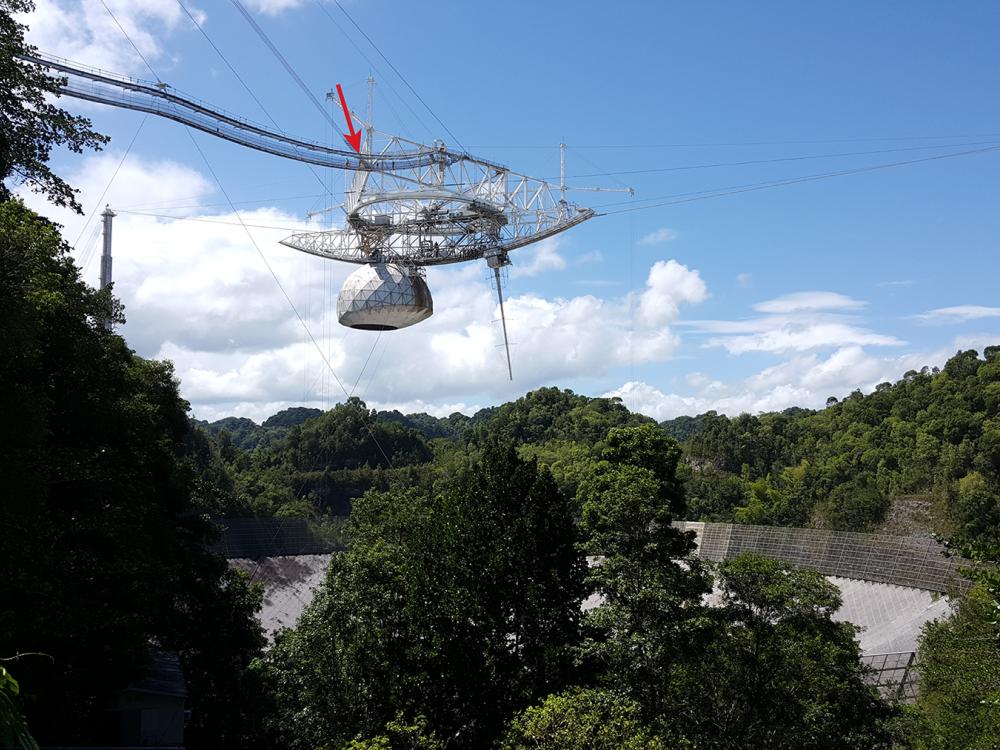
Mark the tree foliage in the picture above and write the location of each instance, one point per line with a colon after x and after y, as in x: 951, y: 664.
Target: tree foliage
x: 103, y: 550
x: 779, y: 672
x: 30, y: 125
x: 582, y: 720
x: 934, y: 433
x: 959, y: 685
x: 459, y: 608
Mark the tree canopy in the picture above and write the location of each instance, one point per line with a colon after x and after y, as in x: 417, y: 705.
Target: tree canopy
x: 455, y: 610
x: 30, y: 125
x: 104, y: 551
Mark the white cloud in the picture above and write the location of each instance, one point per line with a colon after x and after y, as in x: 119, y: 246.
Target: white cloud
x: 809, y: 301
x: 803, y: 335
x: 668, y: 285
x: 435, y: 409
x: 273, y: 7
x: 744, y: 279
x: 658, y: 237
x: 804, y: 381
x: 594, y: 256
x: 899, y: 282
x: 797, y: 322
x: 542, y: 257
x: 83, y: 31
x: 959, y: 314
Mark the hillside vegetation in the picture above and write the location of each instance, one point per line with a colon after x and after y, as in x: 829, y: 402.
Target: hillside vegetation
x: 933, y: 435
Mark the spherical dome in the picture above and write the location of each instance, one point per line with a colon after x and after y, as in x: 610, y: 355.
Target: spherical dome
x: 383, y: 297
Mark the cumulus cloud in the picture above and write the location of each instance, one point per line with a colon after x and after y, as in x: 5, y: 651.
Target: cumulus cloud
x: 669, y: 284
x: 82, y: 30
x: 273, y: 7
x: 802, y: 335
x: 594, y: 256
x: 454, y: 356
x: 197, y: 292
x: 658, y: 237
x: 533, y: 261
x: 959, y: 314
x: 804, y: 381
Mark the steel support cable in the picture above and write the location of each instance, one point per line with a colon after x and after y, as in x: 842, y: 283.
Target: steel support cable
x: 394, y: 70
x: 600, y: 172
x: 239, y: 78
x: 111, y: 181
x: 361, y: 52
x: 596, y: 146
x: 365, y: 365
x: 378, y: 363
x: 276, y: 199
x: 204, y: 220
x: 776, y: 160
x: 291, y: 304
x: 90, y: 248
x: 721, y: 192
x: 129, y: 39
x: 690, y: 197
x: 281, y: 58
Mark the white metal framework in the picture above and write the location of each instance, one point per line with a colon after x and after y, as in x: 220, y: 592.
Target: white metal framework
x: 446, y: 212
x: 410, y: 205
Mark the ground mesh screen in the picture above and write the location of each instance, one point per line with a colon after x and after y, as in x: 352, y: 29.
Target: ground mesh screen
x: 904, y: 561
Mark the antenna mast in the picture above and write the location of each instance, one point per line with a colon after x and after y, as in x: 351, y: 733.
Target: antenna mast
x: 562, y: 171
x: 370, y: 130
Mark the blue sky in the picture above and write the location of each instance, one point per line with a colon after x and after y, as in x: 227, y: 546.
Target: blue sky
x: 761, y: 299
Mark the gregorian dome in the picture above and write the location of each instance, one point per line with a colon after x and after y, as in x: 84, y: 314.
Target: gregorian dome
x: 384, y: 297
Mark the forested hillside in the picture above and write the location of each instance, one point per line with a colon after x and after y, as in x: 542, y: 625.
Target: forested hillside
x: 930, y: 440
x: 933, y: 435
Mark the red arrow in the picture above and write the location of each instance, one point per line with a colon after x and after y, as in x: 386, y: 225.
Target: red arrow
x: 354, y: 138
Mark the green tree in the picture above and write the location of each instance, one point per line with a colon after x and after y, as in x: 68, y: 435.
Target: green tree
x: 854, y: 506
x: 30, y: 125
x: 13, y: 729
x: 582, y: 720
x: 400, y: 735
x: 975, y: 509
x: 462, y: 608
x: 711, y: 494
x: 779, y: 672
x: 650, y: 587
x: 958, y: 704
x: 103, y: 550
